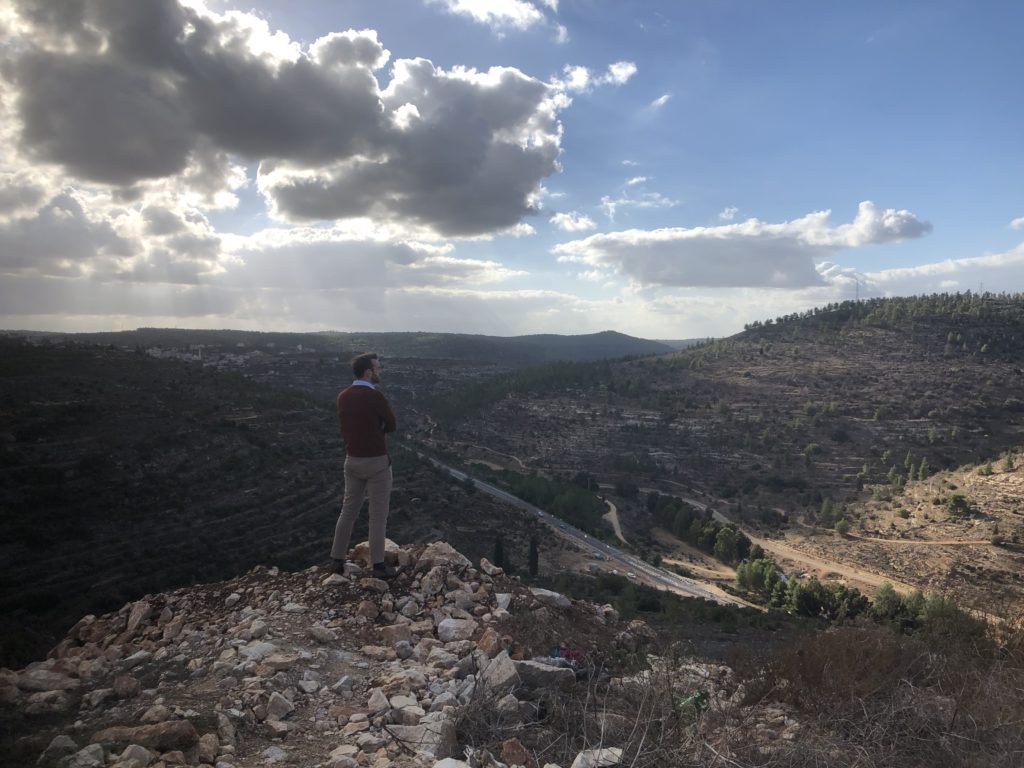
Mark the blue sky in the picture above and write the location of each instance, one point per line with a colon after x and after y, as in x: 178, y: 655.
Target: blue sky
x: 666, y: 169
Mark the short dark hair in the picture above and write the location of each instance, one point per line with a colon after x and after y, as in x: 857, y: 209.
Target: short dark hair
x: 362, y: 363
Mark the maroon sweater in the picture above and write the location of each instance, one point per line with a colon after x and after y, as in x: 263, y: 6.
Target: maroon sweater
x: 365, y: 416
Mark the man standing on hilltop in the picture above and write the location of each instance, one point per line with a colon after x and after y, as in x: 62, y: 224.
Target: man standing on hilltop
x: 365, y: 418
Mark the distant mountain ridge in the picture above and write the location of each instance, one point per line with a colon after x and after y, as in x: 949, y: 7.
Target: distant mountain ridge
x: 506, y: 350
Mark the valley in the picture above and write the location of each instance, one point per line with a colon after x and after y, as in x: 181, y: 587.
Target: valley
x: 849, y: 444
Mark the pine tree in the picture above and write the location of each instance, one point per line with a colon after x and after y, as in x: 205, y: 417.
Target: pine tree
x: 923, y: 471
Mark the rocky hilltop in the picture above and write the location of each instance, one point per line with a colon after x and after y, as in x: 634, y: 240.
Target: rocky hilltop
x: 443, y: 665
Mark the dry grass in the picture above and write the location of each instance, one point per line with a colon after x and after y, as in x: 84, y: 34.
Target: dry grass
x: 864, y: 696
x: 876, y: 698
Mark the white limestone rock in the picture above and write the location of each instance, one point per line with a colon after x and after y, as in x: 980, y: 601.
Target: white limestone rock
x: 500, y: 675
x: 60, y: 747
x: 551, y: 599
x: 279, y: 707
x: 598, y: 758
x: 456, y: 629
x: 45, y: 680
x: 91, y: 756
x: 433, y: 737
x: 441, y: 553
x: 378, y: 702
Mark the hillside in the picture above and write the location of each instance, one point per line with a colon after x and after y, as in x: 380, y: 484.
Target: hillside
x: 784, y: 423
x: 122, y: 474
x: 958, y: 532
x: 453, y: 665
x: 779, y: 415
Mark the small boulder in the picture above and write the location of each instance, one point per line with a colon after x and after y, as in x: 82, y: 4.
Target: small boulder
x: 163, y: 737
x: 551, y: 599
x: 126, y: 686
x: 441, y: 553
x: 91, y: 756
x: 598, y: 758
x: 60, y: 747
x: 456, y: 629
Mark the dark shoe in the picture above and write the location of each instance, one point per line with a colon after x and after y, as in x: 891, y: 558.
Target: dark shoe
x: 381, y: 571
x: 337, y: 566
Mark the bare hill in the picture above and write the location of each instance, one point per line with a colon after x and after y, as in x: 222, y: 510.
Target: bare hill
x: 957, y: 532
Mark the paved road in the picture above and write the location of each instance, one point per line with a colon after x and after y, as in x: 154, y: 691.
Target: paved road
x: 629, y: 563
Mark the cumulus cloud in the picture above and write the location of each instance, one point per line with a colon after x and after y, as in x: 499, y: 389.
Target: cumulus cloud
x: 637, y: 180
x: 661, y: 101
x: 750, y: 253
x: 618, y: 73
x: 572, y: 222
x: 315, y: 262
x: 19, y: 194
x: 125, y: 95
x: 1017, y: 223
x: 578, y: 79
x: 518, y: 14
x: 728, y: 214
x: 610, y: 205
x: 461, y: 171
x: 1002, y: 271
x: 60, y: 239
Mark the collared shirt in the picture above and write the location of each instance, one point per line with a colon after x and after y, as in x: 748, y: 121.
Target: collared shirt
x: 364, y: 383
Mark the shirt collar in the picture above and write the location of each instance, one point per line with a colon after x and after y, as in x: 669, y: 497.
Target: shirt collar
x: 363, y: 383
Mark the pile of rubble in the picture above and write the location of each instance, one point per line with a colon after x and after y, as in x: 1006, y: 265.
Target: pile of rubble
x: 310, y: 669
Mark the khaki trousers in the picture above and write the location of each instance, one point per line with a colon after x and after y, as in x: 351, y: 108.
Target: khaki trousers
x: 371, y: 476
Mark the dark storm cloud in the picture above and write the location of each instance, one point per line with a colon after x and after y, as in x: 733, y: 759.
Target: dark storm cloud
x: 100, y: 120
x: 461, y: 161
x: 121, y: 91
x: 160, y: 221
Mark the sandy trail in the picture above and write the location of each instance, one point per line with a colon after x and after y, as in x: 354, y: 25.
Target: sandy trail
x: 612, y: 516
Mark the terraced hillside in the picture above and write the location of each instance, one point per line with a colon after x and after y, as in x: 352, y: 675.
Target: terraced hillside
x: 121, y: 474
x: 783, y: 415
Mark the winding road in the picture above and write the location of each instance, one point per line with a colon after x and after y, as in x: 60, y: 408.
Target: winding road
x: 664, y: 579
x: 644, y: 572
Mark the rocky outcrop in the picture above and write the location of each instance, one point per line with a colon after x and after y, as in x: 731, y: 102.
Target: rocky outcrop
x: 318, y: 669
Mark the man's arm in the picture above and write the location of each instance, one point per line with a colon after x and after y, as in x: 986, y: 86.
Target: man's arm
x: 387, y: 416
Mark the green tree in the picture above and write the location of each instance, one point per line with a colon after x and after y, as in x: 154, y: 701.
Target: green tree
x: 958, y: 506
x: 887, y: 603
x: 923, y: 471
x: 1008, y: 461
x: 725, y: 545
x: 893, y: 477
x: 626, y: 603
